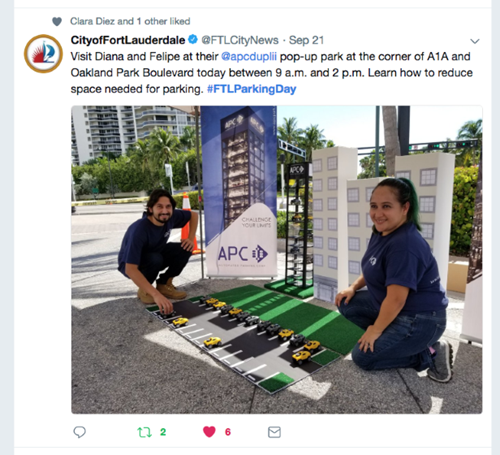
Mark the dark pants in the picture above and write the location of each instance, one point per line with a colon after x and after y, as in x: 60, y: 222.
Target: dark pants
x: 403, y: 344
x: 173, y: 256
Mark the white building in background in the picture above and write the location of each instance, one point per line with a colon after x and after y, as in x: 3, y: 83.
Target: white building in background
x: 432, y: 175
x: 341, y: 206
x: 97, y: 129
x: 332, y: 168
x: 359, y: 222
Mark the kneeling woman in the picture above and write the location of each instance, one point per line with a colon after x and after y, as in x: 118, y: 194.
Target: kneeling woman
x: 404, y: 309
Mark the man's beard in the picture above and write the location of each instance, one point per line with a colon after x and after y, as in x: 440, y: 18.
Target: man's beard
x: 160, y: 220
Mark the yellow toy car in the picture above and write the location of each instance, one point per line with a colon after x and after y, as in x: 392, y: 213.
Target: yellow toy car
x: 211, y: 301
x: 285, y: 334
x: 218, y: 305
x: 312, y: 346
x: 300, y: 356
x: 235, y: 311
x: 212, y: 341
x: 179, y: 322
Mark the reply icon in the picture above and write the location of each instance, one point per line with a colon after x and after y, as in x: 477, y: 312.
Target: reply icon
x: 79, y: 431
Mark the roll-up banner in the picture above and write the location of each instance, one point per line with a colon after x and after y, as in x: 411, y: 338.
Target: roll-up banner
x: 239, y: 185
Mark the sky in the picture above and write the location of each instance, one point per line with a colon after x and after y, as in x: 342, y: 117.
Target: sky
x: 354, y: 126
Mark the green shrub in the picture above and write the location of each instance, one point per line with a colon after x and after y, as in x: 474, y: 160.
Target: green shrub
x: 464, y: 195
x: 281, y: 225
x: 193, y: 199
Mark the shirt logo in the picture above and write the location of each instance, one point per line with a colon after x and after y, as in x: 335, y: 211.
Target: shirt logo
x: 167, y: 234
x: 373, y: 260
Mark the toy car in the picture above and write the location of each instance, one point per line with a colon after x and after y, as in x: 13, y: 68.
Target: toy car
x: 179, y: 322
x: 235, y: 311
x: 300, y: 356
x: 242, y: 316
x: 211, y: 301
x: 166, y: 316
x: 252, y: 320
x: 312, y: 346
x: 298, y: 340
x: 204, y: 299
x: 263, y: 325
x: 273, y: 329
x: 218, y: 305
x: 226, y: 309
x: 285, y: 334
x: 212, y: 341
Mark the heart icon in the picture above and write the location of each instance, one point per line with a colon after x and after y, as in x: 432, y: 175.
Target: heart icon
x: 56, y: 21
x: 209, y: 431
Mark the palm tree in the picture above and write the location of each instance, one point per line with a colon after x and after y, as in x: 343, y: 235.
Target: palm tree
x: 471, y: 130
x: 392, y: 147
x: 312, y: 139
x: 188, y: 138
x: 140, y: 153
x: 164, y: 147
x: 289, y: 132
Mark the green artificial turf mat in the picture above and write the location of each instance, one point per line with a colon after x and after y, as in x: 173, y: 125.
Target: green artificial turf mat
x: 325, y: 357
x: 290, y: 289
x: 328, y: 327
x: 276, y: 382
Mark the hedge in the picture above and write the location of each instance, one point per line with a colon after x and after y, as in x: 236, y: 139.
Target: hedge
x: 464, y: 196
x: 193, y: 199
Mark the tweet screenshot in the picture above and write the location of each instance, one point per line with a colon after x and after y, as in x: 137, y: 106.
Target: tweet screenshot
x: 254, y: 226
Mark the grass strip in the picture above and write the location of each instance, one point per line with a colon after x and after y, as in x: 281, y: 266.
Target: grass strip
x: 325, y: 357
x: 290, y: 289
x: 276, y: 382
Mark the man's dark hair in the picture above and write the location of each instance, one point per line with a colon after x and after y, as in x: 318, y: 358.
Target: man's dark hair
x: 155, y: 197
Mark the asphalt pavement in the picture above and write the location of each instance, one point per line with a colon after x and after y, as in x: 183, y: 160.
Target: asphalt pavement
x: 122, y: 357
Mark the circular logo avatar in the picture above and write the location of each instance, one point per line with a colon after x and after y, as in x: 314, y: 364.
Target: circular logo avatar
x: 43, y: 53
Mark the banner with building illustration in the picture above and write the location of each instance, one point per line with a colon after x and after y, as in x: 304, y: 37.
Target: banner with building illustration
x: 239, y: 187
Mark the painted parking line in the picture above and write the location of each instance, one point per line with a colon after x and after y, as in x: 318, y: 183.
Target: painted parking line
x: 231, y: 320
x: 185, y: 327
x: 230, y: 355
x: 285, y: 343
x: 261, y: 333
x: 222, y: 347
x: 269, y: 377
x: 224, y: 315
x: 194, y: 331
x: 239, y: 363
x: 241, y: 324
x: 253, y: 327
x: 251, y: 377
x: 203, y: 336
x: 273, y: 338
x: 255, y: 369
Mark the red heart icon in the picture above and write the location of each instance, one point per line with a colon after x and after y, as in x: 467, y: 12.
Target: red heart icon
x: 209, y: 431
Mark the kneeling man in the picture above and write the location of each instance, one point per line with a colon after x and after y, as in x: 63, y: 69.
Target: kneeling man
x: 145, y: 252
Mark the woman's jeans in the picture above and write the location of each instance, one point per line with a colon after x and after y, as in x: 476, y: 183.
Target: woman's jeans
x: 403, y: 344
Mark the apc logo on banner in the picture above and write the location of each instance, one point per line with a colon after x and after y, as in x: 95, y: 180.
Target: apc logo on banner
x: 242, y: 253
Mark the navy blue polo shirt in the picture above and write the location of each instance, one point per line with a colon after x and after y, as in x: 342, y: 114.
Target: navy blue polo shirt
x: 403, y: 257
x: 143, y: 237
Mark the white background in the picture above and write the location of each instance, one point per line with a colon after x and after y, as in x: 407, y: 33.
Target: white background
x: 42, y: 155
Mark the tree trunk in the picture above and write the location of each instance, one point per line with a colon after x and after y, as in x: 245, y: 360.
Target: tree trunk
x: 392, y: 148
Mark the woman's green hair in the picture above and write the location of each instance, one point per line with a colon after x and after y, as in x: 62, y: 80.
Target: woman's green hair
x: 405, y: 192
